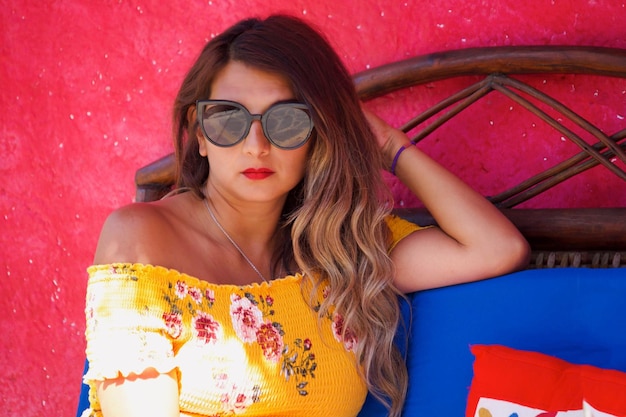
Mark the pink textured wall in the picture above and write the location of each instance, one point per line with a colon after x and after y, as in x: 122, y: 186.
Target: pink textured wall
x: 86, y: 94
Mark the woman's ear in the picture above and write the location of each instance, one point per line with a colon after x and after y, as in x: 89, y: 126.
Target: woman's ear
x: 192, y: 120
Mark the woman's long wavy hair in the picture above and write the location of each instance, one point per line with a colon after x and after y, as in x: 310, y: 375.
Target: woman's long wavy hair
x: 333, y: 225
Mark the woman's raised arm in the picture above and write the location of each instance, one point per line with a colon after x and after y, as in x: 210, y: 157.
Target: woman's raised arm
x: 474, y: 239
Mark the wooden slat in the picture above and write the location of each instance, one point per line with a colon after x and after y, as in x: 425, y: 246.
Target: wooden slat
x: 161, y: 171
x: 154, y: 180
x: 423, y: 69
x: 590, y: 229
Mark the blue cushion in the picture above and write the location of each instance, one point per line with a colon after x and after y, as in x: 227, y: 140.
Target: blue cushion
x: 83, y: 399
x: 576, y: 314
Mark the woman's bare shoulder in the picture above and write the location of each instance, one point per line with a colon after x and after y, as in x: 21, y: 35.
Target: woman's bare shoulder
x: 138, y: 232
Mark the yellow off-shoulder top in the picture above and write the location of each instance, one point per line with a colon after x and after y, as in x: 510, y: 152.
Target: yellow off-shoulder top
x: 254, y: 350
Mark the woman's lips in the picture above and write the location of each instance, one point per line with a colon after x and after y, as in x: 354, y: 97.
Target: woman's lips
x: 257, y: 173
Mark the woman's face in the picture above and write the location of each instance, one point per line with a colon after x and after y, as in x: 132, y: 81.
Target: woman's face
x: 252, y: 170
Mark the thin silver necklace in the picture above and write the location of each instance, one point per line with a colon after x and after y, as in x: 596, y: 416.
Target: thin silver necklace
x: 206, y: 204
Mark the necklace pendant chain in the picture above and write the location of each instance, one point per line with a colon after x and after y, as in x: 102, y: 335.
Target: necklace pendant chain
x: 231, y: 240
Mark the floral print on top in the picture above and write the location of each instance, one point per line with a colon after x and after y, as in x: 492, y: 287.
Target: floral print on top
x: 255, y: 350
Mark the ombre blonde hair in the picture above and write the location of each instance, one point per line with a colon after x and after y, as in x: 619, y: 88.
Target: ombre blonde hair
x: 333, y: 225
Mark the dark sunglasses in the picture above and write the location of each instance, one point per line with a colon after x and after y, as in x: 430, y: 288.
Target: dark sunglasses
x: 226, y: 123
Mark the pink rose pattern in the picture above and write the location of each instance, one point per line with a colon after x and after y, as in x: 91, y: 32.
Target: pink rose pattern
x: 246, y: 318
x: 206, y: 328
x: 348, y: 338
x: 234, y: 397
x: 181, y: 297
x: 271, y: 341
x: 173, y: 324
x: 251, y: 317
x: 181, y: 289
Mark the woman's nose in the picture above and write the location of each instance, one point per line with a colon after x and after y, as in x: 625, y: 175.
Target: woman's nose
x: 256, y: 143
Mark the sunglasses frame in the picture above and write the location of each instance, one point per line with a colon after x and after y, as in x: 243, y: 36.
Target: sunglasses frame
x: 202, y: 104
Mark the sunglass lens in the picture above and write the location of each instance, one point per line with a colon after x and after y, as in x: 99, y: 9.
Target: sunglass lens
x: 288, y: 126
x: 224, y: 124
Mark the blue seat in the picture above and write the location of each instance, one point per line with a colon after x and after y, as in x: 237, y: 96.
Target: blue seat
x: 576, y: 314
x: 83, y: 400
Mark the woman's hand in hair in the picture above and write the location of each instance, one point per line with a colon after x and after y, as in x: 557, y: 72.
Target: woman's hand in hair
x: 389, y: 138
x: 473, y: 240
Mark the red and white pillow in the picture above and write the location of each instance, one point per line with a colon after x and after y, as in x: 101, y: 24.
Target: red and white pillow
x: 488, y: 407
x: 516, y: 383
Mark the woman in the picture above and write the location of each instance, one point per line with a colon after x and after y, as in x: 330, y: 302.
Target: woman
x: 268, y: 284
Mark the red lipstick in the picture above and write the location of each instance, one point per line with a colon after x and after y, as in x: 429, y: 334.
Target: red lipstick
x: 257, y: 173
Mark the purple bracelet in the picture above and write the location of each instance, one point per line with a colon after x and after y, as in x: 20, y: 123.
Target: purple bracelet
x: 395, y: 159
